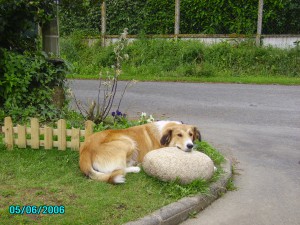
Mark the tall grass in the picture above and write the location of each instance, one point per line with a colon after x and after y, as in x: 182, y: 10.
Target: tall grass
x: 158, y: 59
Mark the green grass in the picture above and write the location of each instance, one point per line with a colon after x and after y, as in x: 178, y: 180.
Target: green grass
x: 241, y: 80
x: 53, y: 177
x: 187, y: 61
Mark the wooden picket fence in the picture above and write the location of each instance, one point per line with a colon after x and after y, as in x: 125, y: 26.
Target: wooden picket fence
x: 18, y: 135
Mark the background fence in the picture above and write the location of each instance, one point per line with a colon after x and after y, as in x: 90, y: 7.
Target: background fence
x: 47, y: 137
x: 279, y: 41
x: 180, y: 17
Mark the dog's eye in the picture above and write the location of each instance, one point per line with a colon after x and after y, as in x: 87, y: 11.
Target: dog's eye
x: 179, y: 135
x: 190, y: 134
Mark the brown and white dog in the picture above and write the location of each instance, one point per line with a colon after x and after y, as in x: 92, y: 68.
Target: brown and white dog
x: 108, y: 155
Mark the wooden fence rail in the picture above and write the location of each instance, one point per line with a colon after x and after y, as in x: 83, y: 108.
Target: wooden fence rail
x: 19, y: 135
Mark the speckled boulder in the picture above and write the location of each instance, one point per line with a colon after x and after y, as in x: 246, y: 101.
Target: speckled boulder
x: 170, y: 163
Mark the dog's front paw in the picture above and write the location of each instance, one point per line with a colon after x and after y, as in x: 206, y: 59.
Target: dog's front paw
x: 133, y: 169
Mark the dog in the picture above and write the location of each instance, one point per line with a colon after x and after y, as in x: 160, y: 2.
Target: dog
x: 108, y: 155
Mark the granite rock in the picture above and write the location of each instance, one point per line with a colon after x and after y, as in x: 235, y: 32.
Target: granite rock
x: 170, y: 163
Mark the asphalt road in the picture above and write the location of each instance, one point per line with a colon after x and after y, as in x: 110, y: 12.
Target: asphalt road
x: 257, y: 126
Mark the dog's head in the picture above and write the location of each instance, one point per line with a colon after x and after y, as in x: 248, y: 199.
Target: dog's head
x: 181, y: 136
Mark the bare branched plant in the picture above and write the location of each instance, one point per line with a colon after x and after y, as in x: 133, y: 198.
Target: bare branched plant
x: 98, y: 110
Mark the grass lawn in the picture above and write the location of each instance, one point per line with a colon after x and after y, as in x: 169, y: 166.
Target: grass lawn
x: 52, y: 177
x: 221, y: 79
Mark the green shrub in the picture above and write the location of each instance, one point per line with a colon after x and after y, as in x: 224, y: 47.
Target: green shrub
x: 19, y: 20
x: 196, y: 16
x: 27, y: 85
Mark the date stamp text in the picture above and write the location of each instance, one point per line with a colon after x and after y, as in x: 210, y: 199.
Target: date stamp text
x: 33, y: 209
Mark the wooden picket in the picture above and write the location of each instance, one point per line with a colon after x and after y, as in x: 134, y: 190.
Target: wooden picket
x: 17, y: 135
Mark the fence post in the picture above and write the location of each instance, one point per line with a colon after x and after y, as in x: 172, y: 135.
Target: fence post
x: 103, y: 23
x: 35, y: 133
x: 75, y: 139
x: 88, y: 128
x: 62, y: 134
x: 259, y: 22
x: 177, y: 17
x: 21, y: 142
x: 48, y: 138
x: 8, y: 132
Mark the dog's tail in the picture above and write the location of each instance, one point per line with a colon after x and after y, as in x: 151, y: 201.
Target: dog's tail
x: 86, y: 166
x: 115, y: 177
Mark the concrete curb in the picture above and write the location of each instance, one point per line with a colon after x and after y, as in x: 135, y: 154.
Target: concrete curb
x: 179, y: 211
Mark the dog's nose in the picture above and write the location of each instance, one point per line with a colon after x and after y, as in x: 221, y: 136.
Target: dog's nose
x: 189, y: 146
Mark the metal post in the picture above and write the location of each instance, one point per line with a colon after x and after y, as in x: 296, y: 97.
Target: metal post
x: 103, y: 23
x: 259, y: 22
x: 57, y: 22
x: 177, y: 17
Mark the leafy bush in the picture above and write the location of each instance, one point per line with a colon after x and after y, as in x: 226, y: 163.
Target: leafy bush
x: 27, y: 85
x: 30, y: 84
x: 196, y: 16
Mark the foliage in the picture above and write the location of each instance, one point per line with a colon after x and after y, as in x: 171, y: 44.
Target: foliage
x: 75, y: 50
x: 219, y: 16
x: 283, y: 19
x: 197, y: 16
x: 78, y: 15
x: 18, y: 22
x: 246, y: 59
x: 140, y: 16
x: 154, y: 59
x: 28, y: 79
x: 26, y: 87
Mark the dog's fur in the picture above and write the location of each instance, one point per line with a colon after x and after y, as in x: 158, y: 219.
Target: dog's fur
x: 108, y: 155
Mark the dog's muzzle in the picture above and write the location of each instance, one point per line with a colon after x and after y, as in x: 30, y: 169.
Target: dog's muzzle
x: 188, y: 149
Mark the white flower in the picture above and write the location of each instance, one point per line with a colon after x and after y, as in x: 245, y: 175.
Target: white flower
x: 150, y: 119
x: 70, y: 92
x: 126, y: 56
x: 118, y: 72
x: 143, y: 115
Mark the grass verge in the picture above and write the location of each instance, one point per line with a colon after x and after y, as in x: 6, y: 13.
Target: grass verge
x: 187, y: 61
x: 243, y: 80
x: 52, y: 177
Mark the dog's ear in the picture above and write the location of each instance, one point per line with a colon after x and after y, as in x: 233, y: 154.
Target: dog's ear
x: 166, y: 138
x: 197, y: 135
